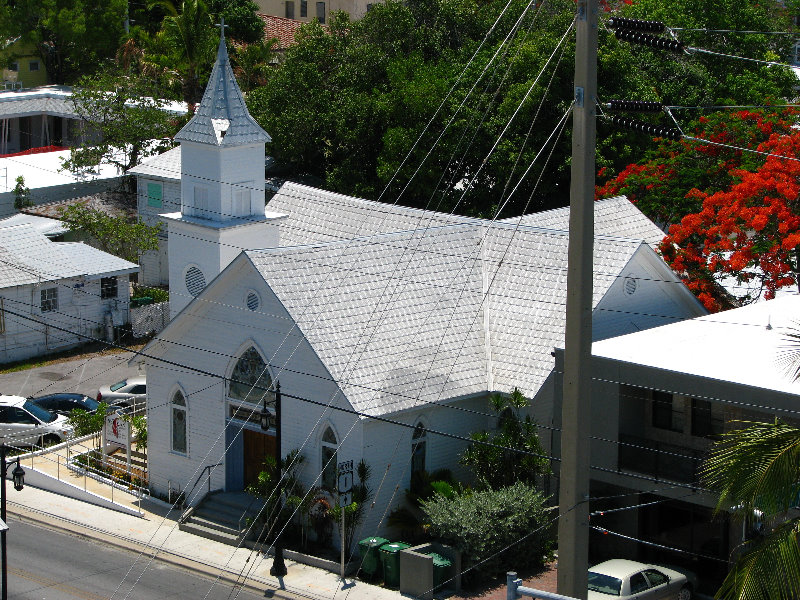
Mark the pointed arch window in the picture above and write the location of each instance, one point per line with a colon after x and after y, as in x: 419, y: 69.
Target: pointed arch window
x: 328, y: 446
x: 179, y: 422
x: 418, y: 447
x: 250, y: 380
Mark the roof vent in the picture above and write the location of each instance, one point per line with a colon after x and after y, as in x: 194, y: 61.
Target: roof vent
x: 630, y: 285
x: 253, y: 301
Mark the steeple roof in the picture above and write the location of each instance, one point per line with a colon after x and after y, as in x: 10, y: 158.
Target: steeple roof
x: 222, y: 118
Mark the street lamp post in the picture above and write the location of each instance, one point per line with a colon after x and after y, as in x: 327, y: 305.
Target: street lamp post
x: 278, y: 568
x: 18, y: 475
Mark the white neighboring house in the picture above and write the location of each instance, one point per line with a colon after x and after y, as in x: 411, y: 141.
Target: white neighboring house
x: 53, y: 294
x: 361, y: 311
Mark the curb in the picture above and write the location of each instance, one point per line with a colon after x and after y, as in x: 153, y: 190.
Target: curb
x: 58, y: 523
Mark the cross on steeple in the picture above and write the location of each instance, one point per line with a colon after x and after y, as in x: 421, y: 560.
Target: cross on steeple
x: 222, y: 27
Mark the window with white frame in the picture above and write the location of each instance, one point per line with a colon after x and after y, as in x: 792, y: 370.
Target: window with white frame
x: 328, y: 445
x: 179, y: 422
x: 418, y: 447
x: 108, y: 288
x: 49, y: 298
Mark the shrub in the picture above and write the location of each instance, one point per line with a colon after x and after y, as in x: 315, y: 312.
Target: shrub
x: 495, y: 530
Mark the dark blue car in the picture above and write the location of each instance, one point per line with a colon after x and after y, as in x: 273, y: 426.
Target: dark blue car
x: 64, y: 403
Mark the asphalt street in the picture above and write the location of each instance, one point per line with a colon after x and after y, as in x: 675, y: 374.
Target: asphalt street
x: 84, y: 375
x: 44, y: 564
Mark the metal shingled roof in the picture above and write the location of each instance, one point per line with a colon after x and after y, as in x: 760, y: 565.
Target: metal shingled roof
x: 222, y: 118
x: 409, y: 312
x: 27, y: 256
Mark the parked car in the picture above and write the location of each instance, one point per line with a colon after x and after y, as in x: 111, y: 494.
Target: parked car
x: 23, y: 423
x: 65, y: 402
x: 130, y: 392
x: 631, y: 580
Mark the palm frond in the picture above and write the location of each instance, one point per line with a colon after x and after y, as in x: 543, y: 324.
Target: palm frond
x: 768, y: 570
x: 756, y: 467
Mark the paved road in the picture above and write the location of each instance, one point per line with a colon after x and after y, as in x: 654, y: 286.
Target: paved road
x: 47, y: 565
x: 83, y: 375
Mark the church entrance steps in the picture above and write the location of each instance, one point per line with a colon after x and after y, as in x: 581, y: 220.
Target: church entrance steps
x: 223, y: 516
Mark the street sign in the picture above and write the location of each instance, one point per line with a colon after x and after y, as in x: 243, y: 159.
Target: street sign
x: 345, y: 478
x: 345, y: 499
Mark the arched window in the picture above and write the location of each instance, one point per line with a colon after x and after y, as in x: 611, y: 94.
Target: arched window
x: 418, y: 443
x: 250, y: 379
x: 178, y: 422
x: 328, y: 446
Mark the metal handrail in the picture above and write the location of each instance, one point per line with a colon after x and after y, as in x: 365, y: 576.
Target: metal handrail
x: 187, y: 494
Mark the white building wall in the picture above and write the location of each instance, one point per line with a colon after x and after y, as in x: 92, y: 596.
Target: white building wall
x: 646, y: 294
x: 387, y: 449
x: 81, y: 312
x: 226, y: 327
x: 154, y: 264
x: 210, y: 249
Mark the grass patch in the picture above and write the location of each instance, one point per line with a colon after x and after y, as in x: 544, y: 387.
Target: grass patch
x: 84, y: 351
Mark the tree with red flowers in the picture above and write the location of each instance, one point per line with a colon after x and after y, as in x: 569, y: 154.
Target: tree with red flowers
x: 750, y: 231
x: 732, y: 215
x: 662, y: 184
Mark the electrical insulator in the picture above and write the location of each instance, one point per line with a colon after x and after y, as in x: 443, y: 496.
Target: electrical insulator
x: 654, y: 130
x: 636, y: 24
x: 645, y: 39
x: 635, y: 106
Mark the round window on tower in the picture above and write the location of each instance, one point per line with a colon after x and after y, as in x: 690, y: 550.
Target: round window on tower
x: 195, y: 280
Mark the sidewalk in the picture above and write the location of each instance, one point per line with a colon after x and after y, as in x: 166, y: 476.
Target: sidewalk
x: 156, y: 534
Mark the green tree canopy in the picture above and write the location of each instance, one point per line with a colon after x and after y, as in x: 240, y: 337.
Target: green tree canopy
x: 72, y: 37
x: 498, y: 465
x: 351, y: 100
x: 131, y: 124
x: 115, y: 235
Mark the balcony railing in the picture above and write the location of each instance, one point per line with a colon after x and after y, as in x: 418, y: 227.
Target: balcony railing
x: 666, y: 462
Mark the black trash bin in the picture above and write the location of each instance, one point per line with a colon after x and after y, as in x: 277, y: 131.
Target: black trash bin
x: 370, y: 557
x: 390, y: 557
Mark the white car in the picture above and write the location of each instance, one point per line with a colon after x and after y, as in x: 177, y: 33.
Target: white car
x: 126, y: 393
x: 23, y: 423
x: 628, y: 579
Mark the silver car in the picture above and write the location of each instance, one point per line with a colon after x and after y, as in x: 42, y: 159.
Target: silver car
x: 628, y: 579
x: 130, y: 392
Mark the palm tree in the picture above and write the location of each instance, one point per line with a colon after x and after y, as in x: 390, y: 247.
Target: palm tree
x: 185, y: 45
x: 757, y: 468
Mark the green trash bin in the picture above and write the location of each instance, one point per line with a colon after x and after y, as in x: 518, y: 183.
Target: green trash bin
x: 370, y: 558
x: 390, y: 557
x: 441, y: 569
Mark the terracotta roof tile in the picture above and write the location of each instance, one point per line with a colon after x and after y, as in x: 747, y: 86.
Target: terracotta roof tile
x: 280, y: 28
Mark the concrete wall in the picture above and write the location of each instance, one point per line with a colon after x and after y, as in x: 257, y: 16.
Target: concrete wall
x: 355, y: 8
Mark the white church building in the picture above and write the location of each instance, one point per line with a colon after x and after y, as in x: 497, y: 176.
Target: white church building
x: 384, y: 325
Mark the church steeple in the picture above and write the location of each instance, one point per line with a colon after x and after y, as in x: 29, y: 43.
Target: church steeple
x: 222, y: 118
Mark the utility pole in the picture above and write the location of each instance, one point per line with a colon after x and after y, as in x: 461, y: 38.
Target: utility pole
x: 573, y: 524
